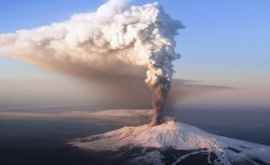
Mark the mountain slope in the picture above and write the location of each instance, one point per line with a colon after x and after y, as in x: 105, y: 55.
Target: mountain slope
x: 177, y: 136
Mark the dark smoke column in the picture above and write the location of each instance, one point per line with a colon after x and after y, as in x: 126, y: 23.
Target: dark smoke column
x: 159, y: 78
x: 160, y: 93
x: 161, y: 50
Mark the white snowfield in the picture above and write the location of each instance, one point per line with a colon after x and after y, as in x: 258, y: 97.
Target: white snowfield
x: 178, y: 136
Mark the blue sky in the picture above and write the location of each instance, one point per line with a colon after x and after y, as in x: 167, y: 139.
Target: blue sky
x: 225, y: 42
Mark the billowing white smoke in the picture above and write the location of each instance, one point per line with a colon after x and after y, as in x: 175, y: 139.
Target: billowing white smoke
x: 136, y: 35
x: 141, y: 36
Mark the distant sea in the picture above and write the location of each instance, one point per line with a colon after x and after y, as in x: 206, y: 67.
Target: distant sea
x: 32, y: 141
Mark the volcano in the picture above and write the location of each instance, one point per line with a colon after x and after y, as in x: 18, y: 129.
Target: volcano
x: 175, y: 143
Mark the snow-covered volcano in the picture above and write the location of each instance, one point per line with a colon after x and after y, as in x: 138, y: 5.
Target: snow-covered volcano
x: 177, y: 137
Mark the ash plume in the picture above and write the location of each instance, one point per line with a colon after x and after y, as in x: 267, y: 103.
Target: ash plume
x: 115, y: 41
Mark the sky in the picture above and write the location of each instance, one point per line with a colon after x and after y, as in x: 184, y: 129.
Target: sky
x: 224, y: 43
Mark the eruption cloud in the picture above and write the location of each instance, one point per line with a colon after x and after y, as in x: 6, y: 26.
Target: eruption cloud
x: 113, y: 40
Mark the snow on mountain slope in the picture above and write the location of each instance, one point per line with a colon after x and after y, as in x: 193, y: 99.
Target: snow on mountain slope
x: 178, y: 136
